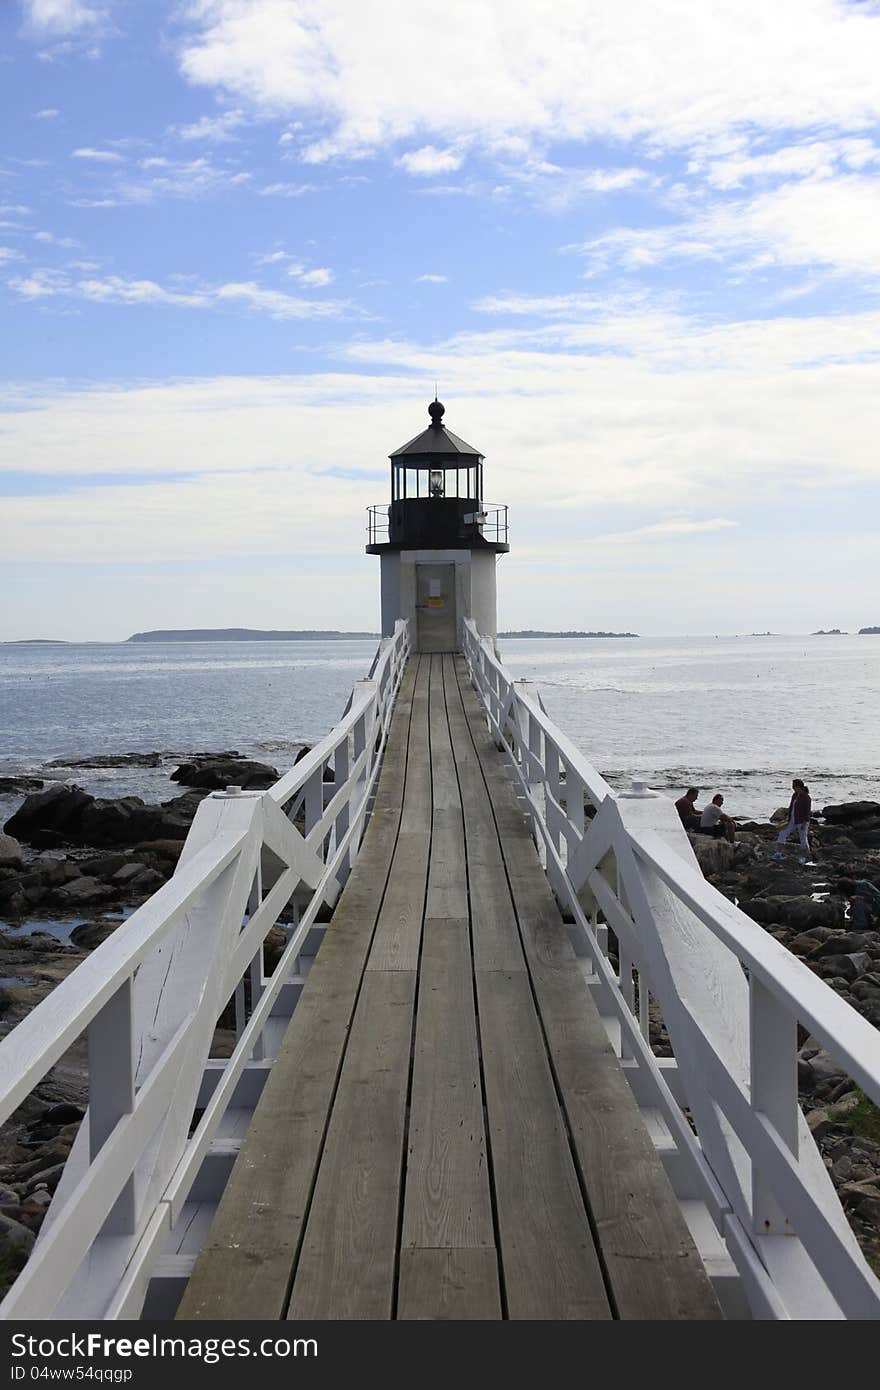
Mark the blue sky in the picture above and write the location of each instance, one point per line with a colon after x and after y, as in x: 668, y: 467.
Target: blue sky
x: 636, y: 245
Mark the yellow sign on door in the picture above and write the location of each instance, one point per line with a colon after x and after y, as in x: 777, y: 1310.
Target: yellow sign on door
x: 437, y: 602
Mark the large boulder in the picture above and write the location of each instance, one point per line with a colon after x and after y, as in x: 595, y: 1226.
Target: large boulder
x: 58, y: 810
x: 778, y: 878
x: 165, y: 851
x: 713, y: 856
x: 117, y: 822
x: 850, y: 811
x: 846, y: 967
x: 175, y: 817
x: 18, y: 785
x: 68, y: 815
x: 10, y: 853
x: 801, y: 913
x: 82, y: 892
x: 216, y: 774
x: 110, y: 760
x: 26, y: 891
x: 92, y: 934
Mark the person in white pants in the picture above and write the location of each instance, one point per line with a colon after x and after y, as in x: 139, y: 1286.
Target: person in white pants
x: 799, y: 811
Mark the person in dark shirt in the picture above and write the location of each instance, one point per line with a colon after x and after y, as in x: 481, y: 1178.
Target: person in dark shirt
x: 864, y: 902
x: 799, y: 811
x: 686, y: 806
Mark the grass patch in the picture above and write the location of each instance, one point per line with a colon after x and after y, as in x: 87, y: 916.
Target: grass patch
x: 863, y: 1119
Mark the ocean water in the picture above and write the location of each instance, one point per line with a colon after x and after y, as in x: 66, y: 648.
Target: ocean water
x: 736, y: 715
x: 739, y: 715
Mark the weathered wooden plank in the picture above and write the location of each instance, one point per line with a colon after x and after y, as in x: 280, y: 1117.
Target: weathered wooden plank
x: 496, y: 944
x: 447, y: 1200
x: 455, y: 1285
x: 550, y: 1266
x: 447, y: 874
x: 244, y: 1269
x: 444, y: 781
x: 346, y: 1268
x: 399, y: 927
x: 417, y: 792
x: 653, y: 1268
x: 447, y: 871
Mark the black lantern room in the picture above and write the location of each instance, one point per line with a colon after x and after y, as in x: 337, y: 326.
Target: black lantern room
x: 437, y: 497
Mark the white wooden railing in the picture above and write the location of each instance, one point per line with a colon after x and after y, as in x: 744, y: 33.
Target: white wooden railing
x: 150, y: 996
x: 731, y: 998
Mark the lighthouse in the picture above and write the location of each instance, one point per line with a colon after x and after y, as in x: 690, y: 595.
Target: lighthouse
x: 438, y: 540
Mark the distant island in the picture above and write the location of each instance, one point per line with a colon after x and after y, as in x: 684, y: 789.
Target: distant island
x: 869, y: 631
x: 243, y: 634
x: 36, y: 642
x: 829, y: 632
x: 531, y: 632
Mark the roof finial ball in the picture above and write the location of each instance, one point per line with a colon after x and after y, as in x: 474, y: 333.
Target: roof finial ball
x: 436, y: 411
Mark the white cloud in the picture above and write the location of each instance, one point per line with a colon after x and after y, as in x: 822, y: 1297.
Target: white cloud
x: 219, y: 129
x: 670, y: 73
x: 154, y: 177
x: 431, y: 279
x: 286, y: 190
x: 48, y: 114
x: 61, y: 16
x: 719, y: 439
x: 7, y: 253
x: 810, y: 158
x: 42, y: 284
x: 278, y: 305
x: 428, y: 161
x: 185, y: 178
x: 662, y: 529
x: 812, y: 222
x: 316, y: 279
x: 555, y: 187
x: 52, y: 240
x: 115, y: 289
x: 14, y: 209
x: 99, y: 156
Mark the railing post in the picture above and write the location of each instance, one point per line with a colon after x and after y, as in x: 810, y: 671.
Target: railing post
x: 773, y: 1074
x: 341, y: 769
x: 111, y: 1090
x: 360, y: 743
x: 314, y: 800
x: 574, y: 800
x: 627, y: 990
x: 257, y: 964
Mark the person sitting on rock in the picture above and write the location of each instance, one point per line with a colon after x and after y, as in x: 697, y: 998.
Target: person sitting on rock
x: 799, y: 811
x: 713, y: 821
x: 688, y: 810
x: 864, y: 902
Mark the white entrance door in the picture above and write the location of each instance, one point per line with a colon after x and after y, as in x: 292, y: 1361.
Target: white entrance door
x: 435, y: 608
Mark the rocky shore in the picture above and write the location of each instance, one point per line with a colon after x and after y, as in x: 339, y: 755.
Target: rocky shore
x: 73, y: 866
x: 797, y: 905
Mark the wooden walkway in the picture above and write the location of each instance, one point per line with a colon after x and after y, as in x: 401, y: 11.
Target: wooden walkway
x: 446, y: 1132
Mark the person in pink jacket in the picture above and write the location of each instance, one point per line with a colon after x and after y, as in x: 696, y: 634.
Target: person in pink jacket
x: 799, y: 811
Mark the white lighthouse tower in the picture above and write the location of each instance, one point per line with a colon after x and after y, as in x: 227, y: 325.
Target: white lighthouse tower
x: 438, y: 541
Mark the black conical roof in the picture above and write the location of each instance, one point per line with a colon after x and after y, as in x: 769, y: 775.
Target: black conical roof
x: 435, y: 441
